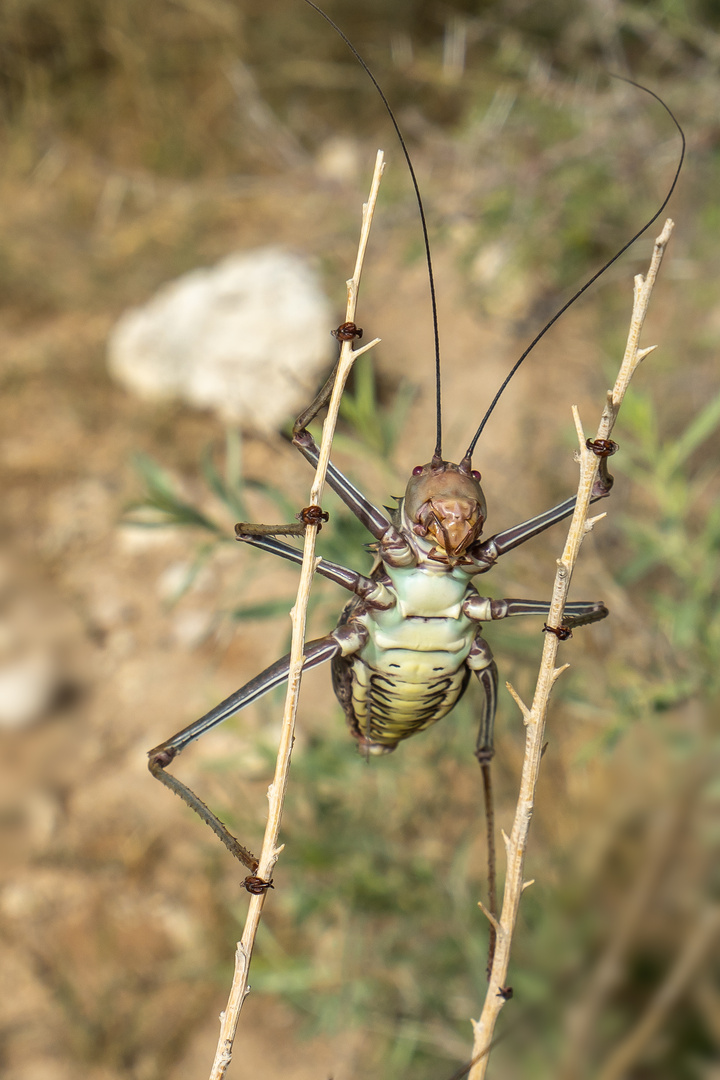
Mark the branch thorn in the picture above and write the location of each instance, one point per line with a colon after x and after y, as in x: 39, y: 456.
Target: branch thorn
x: 490, y: 917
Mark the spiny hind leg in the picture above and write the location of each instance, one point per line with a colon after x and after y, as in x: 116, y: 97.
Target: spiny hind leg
x: 316, y: 652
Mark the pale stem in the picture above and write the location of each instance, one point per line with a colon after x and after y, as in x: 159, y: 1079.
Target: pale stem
x: 276, y: 792
x: 535, y: 717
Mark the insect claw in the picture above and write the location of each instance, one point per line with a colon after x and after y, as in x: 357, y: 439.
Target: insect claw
x: 562, y: 633
x: 160, y: 759
x: 313, y: 515
x: 256, y: 886
x: 347, y: 331
x: 603, y: 448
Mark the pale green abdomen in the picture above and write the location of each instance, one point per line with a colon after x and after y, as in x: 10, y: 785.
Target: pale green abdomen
x: 410, y: 674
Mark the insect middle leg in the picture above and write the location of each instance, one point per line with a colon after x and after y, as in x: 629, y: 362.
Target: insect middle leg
x: 576, y: 613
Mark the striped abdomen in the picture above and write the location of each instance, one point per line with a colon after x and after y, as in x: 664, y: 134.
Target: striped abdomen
x: 383, y: 708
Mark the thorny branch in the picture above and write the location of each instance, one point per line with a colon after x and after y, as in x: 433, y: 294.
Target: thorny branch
x: 535, y: 717
x: 276, y: 792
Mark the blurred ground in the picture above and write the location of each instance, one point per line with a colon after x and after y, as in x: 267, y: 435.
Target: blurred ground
x: 144, y: 140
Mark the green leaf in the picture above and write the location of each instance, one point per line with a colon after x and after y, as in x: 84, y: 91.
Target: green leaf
x: 162, y: 497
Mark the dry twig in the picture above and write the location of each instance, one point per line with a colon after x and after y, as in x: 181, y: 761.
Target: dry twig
x: 534, y: 717
x: 276, y: 792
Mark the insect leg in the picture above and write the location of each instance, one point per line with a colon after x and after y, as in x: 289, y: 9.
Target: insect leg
x: 368, y: 515
x: 486, y: 553
x: 480, y: 660
x: 319, y: 401
x: 577, y: 613
x: 344, y: 640
x: 374, y: 593
x: 377, y: 524
x: 374, y: 521
x: 581, y: 613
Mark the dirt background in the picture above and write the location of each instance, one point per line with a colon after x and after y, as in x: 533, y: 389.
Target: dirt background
x: 129, y: 156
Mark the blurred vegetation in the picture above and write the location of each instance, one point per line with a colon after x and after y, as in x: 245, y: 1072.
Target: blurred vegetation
x: 129, y: 133
x: 677, y: 559
x: 370, y: 868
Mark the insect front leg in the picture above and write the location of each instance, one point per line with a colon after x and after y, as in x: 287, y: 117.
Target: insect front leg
x: 374, y: 521
x: 378, y: 525
x: 373, y: 592
x: 344, y: 640
x: 394, y: 545
x: 368, y: 515
x: 486, y: 554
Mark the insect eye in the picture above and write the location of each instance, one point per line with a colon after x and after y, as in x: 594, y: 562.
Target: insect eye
x: 476, y: 475
x: 417, y: 470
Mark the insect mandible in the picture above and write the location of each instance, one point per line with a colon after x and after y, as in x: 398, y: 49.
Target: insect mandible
x: 410, y: 637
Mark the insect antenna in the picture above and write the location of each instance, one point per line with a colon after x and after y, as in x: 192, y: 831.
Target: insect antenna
x: 437, y: 456
x: 595, y: 276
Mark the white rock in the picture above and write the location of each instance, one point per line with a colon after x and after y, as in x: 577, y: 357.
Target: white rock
x: 248, y: 338
x: 27, y: 687
x: 191, y: 628
x: 338, y: 159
